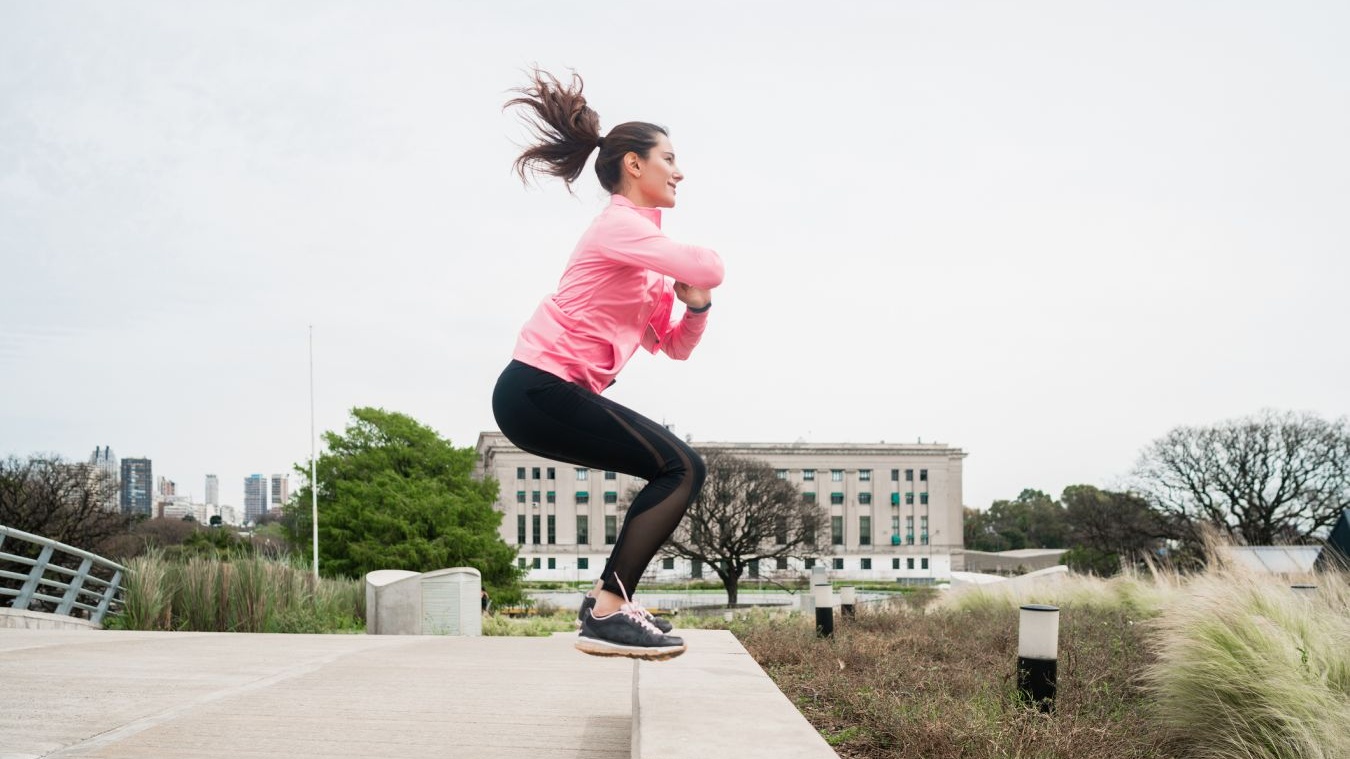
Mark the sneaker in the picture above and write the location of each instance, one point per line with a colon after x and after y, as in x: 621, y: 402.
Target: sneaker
x: 626, y: 632
x: 661, y: 623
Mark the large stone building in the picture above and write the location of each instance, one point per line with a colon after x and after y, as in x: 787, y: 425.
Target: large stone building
x: 895, y: 510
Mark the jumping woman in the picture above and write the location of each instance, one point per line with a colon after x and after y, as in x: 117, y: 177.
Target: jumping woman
x: 617, y: 292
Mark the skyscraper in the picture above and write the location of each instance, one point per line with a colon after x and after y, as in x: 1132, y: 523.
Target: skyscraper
x: 212, y: 490
x: 255, y: 497
x: 137, y: 489
x: 281, y: 490
x: 104, y: 464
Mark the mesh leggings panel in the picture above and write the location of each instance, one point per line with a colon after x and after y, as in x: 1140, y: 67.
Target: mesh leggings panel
x: 557, y: 419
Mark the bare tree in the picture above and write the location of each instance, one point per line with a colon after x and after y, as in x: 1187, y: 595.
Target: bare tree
x: 745, y: 513
x: 1262, y: 480
x: 56, y: 499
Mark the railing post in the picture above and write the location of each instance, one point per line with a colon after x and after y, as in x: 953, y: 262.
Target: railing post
x: 76, y: 583
x: 34, y: 576
x: 108, y: 596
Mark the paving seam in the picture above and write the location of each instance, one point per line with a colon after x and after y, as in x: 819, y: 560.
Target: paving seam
x: 142, y: 724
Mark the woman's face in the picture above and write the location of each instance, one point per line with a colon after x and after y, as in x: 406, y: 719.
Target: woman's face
x: 652, y: 179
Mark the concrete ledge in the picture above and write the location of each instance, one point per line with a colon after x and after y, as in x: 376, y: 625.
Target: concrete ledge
x: 21, y: 619
x: 715, y: 700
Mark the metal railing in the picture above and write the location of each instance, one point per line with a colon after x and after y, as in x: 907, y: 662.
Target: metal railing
x: 49, y: 580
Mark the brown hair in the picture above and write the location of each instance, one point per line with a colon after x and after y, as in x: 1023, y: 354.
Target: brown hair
x: 566, y: 130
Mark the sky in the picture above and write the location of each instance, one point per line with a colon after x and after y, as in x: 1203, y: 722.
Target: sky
x: 1043, y: 232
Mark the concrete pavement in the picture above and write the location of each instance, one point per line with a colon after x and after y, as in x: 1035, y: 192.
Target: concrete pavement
x: 115, y: 695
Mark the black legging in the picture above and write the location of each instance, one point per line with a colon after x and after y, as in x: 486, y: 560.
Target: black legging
x: 551, y: 417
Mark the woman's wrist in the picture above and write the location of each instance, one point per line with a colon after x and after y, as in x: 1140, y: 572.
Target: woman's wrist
x: 700, y: 309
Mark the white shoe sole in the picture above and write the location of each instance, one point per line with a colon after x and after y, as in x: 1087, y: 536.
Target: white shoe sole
x: 597, y: 647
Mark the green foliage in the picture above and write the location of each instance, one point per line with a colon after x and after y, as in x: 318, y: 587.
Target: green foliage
x: 1032, y: 520
x: 1108, y: 528
x: 393, y: 494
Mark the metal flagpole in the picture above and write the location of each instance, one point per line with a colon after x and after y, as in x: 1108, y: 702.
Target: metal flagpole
x: 313, y: 458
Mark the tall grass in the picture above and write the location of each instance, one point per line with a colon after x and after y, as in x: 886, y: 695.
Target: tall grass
x: 237, y: 594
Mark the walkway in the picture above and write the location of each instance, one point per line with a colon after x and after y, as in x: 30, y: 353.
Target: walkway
x: 117, y: 695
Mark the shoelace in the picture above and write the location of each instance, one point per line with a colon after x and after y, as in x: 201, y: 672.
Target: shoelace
x: 636, y: 612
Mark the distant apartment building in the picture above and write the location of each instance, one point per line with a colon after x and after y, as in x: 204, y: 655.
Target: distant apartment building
x: 255, y: 497
x: 104, y: 464
x: 281, y: 490
x: 166, y: 487
x: 212, y: 490
x: 894, y: 510
x: 137, y: 495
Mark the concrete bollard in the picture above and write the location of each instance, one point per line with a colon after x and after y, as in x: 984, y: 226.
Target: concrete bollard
x: 848, y: 597
x: 824, y: 598
x: 1038, y: 655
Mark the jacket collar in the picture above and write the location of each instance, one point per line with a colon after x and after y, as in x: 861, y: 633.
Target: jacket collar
x: 652, y: 214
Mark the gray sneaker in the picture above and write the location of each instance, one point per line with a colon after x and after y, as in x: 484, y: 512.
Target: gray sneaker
x: 661, y: 623
x: 626, y: 632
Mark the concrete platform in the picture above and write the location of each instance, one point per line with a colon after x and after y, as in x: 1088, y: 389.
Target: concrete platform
x: 117, y: 695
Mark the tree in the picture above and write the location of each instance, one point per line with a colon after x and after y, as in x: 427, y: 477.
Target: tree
x: 1266, y: 479
x: 393, y: 494
x: 745, y: 513
x: 56, y: 499
x: 1108, y: 528
x: 1032, y: 520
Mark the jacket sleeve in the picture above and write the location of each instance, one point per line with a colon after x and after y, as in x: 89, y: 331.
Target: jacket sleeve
x: 677, y: 340
x: 635, y: 241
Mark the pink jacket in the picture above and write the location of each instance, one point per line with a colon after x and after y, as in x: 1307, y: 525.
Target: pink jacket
x: 614, y: 296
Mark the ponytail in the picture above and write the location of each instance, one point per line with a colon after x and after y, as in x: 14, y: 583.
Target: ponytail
x: 566, y: 130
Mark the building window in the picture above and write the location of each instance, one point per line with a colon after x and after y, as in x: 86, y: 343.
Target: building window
x: 754, y: 569
x: 810, y: 564
x: 534, y: 473
x: 552, y: 473
x: 782, y: 562
x: 611, y: 475
x: 520, y: 561
x: 838, y: 563
x: 611, y: 529
x: 520, y: 472
x: 583, y: 562
x: 611, y: 496
x: 909, y: 499
x: 696, y: 569
x: 535, y: 563
x: 550, y: 497
x: 520, y: 496
x: 923, y: 563
x: 895, y: 475
x: 909, y: 531
x: 923, y: 498
x: 520, y: 529
x: 923, y: 530
x: 836, y: 498
x: 808, y: 497
x: 895, y: 499
x: 864, y: 498
x: 667, y: 563
x: 808, y: 474
x: 535, y: 538
x: 923, y: 475
x: 552, y: 563
x: 866, y: 564
x: 534, y: 496
x: 583, y: 529
x: 909, y: 563
x: 781, y: 474
x: 583, y: 474
x: 864, y: 531
x: 780, y: 530
x: 552, y: 530
x: 909, y: 475
x: 895, y: 563
x: 583, y: 496
x: 836, y: 475
x: 864, y: 475
x: 836, y: 531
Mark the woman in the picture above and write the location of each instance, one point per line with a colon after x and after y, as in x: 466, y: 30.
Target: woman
x: 613, y: 296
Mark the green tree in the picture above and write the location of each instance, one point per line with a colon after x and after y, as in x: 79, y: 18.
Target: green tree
x: 1032, y: 520
x: 1108, y: 529
x: 393, y: 494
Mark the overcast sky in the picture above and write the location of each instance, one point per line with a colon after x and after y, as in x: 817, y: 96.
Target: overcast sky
x: 1043, y: 232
